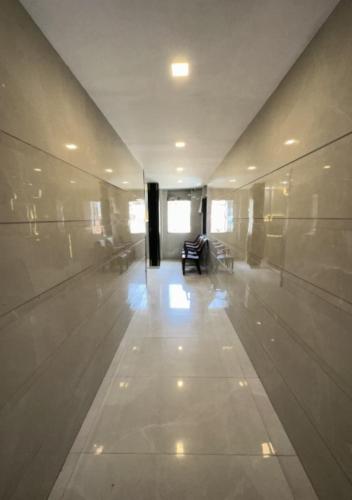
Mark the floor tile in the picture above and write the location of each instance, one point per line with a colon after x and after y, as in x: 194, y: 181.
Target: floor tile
x: 166, y: 415
x: 148, y: 477
x: 181, y: 324
x: 181, y: 413
x: 180, y: 357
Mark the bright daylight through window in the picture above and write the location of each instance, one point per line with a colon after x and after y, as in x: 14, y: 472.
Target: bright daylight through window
x: 136, y: 216
x: 179, y: 216
x: 221, y: 216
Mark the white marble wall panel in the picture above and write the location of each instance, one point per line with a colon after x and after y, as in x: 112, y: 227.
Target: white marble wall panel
x: 51, y: 369
x: 37, y: 186
x: 42, y: 103
x: 311, y: 107
x: 71, y: 269
x: 290, y: 292
x: 320, y: 252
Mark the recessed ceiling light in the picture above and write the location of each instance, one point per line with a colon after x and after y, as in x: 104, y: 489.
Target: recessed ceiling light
x: 72, y: 182
x: 124, y: 182
x: 37, y: 169
x: 71, y: 146
x: 179, y: 169
x: 252, y: 167
x: 180, y: 69
x: 232, y: 180
x: 327, y: 167
x: 180, y: 144
x: 180, y: 181
x: 109, y: 170
x: 289, y: 142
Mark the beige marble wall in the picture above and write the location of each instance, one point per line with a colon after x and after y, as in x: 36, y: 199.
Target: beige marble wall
x: 290, y: 294
x: 71, y: 270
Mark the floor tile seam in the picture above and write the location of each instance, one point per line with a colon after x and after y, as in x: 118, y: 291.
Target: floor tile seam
x: 194, y: 338
x: 173, y: 454
x: 161, y: 375
x: 184, y: 337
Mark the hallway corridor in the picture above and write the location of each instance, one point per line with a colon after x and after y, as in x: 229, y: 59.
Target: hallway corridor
x: 181, y: 413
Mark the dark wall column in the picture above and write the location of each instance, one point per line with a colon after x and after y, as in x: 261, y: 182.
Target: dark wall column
x: 153, y: 224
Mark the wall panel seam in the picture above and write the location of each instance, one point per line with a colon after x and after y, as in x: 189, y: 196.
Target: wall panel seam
x: 64, y: 161
x: 304, y: 155
x: 44, y: 362
x: 67, y: 280
x: 282, y: 269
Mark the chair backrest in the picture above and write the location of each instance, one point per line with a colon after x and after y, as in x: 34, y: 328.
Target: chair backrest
x: 202, y: 243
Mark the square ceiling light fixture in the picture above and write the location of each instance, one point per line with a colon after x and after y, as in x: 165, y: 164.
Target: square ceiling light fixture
x: 179, y: 69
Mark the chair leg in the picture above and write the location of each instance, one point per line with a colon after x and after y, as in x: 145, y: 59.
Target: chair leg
x: 198, y: 267
x: 183, y: 266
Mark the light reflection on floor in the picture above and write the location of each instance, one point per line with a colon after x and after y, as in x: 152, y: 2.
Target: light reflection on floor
x: 181, y: 413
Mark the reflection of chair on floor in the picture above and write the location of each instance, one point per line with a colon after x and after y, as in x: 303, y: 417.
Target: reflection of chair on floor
x: 223, y: 254
x: 117, y: 257
x: 192, y: 252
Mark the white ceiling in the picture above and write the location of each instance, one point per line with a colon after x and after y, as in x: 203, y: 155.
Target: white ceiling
x: 120, y: 51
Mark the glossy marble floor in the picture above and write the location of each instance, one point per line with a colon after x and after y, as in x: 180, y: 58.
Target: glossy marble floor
x: 181, y: 413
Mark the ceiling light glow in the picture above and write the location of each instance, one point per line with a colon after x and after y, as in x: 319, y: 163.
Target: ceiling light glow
x: 232, y: 180
x: 252, y: 167
x: 179, y: 169
x: 180, y: 69
x: 327, y: 167
x: 289, y: 142
x: 180, y: 144
x: 109, y: 170
x: 124, y: 182
x: 71, y: 146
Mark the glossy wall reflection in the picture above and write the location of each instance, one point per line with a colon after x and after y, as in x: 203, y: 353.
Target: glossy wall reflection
x: 284, y: 254
x: 72, y: 255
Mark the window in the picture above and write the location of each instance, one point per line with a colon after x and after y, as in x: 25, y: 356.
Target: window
x: 179, y: 216
x: 136, y: 216
x: 221, y: 219
x: 95, y: 217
